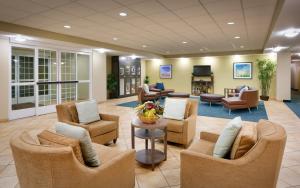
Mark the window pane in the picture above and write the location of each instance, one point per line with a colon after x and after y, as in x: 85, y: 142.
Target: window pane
x: 83, y: 65
x: 83, y: 91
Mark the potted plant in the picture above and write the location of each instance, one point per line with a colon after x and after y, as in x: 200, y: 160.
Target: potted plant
x: 149, y: 112
x: 111, y: 85
x: 266, y: 70
x: 146, y: 80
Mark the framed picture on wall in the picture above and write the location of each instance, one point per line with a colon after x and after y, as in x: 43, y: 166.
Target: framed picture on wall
x: 242, y: 70
x: 165, y: 71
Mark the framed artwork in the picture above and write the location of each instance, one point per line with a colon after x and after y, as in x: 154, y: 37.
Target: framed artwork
x: 242, y: 70
x: 165, y: 71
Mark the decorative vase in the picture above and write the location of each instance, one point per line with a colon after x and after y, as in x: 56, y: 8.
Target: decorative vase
x: 148, y: 120
x: 264, y: 98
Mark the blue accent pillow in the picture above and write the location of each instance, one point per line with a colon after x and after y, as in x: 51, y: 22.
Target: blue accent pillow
x: 160, y: 86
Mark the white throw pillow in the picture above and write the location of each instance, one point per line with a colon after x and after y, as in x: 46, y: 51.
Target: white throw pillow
x: 146, y: 88
x: 174, y: 108
x: 242, y: 90
x: 89, y: 154
x: 87, y: 111
x: 227, y: 137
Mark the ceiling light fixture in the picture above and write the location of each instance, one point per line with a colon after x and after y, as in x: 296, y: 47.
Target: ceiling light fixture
x: 144, y: 46
x: 115, y: 38
x: 20, y: 38
x: 184, y: 42
x: 241, y: 46
x: 230, y: 23
x: 291, y: 33
x: 101, y: 50
x: 201, y: 50
x: 237, y: 37
x: 278, y: 48
x: 67, y: 26
x: 123, y: 14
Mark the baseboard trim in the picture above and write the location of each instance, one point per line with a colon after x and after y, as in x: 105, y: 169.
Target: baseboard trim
x: 284, y: 100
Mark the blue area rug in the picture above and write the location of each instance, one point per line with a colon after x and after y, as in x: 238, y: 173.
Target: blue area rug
x: 217, y: 110
x: 294, y: 104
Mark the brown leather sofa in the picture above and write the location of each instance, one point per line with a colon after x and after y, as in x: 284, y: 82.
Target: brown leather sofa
x: 234, y: 92
x: 162, y: 93
x: 248, y: 99
x: 42, y: 166
x: 259, y: 167
x: 144, y: 97
x: 101, y: 132
x: 183, y: 132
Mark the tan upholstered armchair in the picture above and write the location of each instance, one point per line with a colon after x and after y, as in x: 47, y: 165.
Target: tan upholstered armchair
x: 144, y: 97
x: 101, y: 132
x: 40, y: 166
x: 259, y: 167
x: 183, y: 132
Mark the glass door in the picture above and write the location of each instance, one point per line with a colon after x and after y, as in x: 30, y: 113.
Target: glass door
x: 22, y: 82
x: 47, y: 85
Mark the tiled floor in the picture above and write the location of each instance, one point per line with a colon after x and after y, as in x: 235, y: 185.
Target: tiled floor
x: 167, y: 174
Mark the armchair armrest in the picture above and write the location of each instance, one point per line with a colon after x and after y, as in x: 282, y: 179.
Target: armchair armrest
x: 209, y: 136
x: 109, y: 117
x: 76, y: 124
x: 154, y: 89
x: 189, y: 129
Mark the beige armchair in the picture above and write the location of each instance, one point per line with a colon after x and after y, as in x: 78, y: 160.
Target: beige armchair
x: 101, y: 132
x: 40, y: 166
x: 259, y: 167
x: 183, y: 132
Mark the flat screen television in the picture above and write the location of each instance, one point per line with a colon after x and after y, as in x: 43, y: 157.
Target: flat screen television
x: 202, y: 70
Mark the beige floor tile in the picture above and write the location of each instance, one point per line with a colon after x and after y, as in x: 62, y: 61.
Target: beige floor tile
x: 151, y: 180
x: 289, y: 176
x: 8, y: 182
x: 172, y: 176
x: 8, y: 171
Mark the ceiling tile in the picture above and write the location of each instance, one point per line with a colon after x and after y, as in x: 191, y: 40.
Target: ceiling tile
x: 24, y: 5
x: 190, y: 12
x: 148, y: 7
x: 179, y: 4
x: 77, y: 9
x: 223, y: 6
x: 101, y: 18
x: 57, y: 15
x: 100, y: 5
x: 52, y: 3
x: 9, y: 14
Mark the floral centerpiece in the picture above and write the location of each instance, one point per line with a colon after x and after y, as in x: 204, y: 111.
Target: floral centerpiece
x: 149, y: 112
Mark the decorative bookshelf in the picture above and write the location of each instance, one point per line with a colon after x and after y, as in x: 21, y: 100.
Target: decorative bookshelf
x: 202, y: 84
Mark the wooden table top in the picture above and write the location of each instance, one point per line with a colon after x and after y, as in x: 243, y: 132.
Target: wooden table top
x: 159, y: 124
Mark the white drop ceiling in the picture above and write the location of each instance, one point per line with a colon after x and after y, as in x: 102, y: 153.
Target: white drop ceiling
x: 162, y: 25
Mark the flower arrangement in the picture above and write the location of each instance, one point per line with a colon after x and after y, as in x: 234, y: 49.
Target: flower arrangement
x: 149, y: 112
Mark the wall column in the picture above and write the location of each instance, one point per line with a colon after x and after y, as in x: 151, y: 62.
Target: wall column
x: 283, y: 76
x: 4, y: 78
x: 99, y: 77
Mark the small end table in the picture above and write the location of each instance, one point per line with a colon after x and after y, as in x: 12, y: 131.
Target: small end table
x: 150, y: 132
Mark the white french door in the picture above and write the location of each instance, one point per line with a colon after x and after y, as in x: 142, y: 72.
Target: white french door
x: 42, y: 78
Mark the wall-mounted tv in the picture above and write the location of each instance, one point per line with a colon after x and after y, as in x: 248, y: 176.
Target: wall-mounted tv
x: 202, y: 70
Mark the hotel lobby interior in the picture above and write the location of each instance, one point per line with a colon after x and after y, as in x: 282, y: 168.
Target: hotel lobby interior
x: 149, y: 93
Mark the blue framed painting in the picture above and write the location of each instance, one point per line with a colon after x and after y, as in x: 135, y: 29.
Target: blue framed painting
x: 165, y: 71
x: 242, y: 70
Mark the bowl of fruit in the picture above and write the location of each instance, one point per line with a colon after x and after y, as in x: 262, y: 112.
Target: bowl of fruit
x: 149, y: 112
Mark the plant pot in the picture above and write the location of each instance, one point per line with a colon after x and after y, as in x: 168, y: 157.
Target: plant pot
x: 148, y: 120
x: 264, y: 98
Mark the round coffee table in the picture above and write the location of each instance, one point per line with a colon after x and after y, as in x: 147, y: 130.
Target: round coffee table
x: 179, y: 95
x: 150, y: 132
x: 211, y: 98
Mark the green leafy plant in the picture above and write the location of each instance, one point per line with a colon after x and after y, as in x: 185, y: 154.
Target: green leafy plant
x: 266, y: 71
x: 146, y: 80
x: 111, y: 84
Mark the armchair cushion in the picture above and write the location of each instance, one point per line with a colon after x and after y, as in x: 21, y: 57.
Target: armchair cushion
x: 88, y: 152
x: 101, y: 127
x: 175, y: 126
x: 234, y: 101
x: 87, y: 111
x: 52, y: 139
x: 146, y: 88
x: 160, y: 86
x: 244, y: 141
x: 227, y: 137
x: 174, y: 108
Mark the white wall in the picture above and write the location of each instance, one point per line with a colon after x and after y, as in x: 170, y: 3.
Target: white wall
x: 283, y: 76
x: 99, y: 77
x: 4, y: 78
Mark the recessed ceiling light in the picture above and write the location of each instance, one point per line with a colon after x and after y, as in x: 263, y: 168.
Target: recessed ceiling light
x: 20, y: 38
x: 144, y: 46
x: 101, y: 50
x: 115, y: 38
x: 133, y: 56
x: 123, y: 14
x: 167, y: 52
x: 291, y: 33
x: 184, y: 42
x: 67, y: 26
x: 237, y: 37
x: 279, y: 48
x: 230, y: 23
x: 241, y: 46
x: 201, y: 49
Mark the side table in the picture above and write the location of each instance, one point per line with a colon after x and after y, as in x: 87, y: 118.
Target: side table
x: 150, y: 132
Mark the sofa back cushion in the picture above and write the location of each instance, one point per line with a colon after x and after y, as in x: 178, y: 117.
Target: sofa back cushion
x: 52, y: 139
x: 227, y: 137
x: 146, y: 88
x: 87, y: 111
x: 244, y: 141
x: 89, y: 154
x: 160, y: 85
